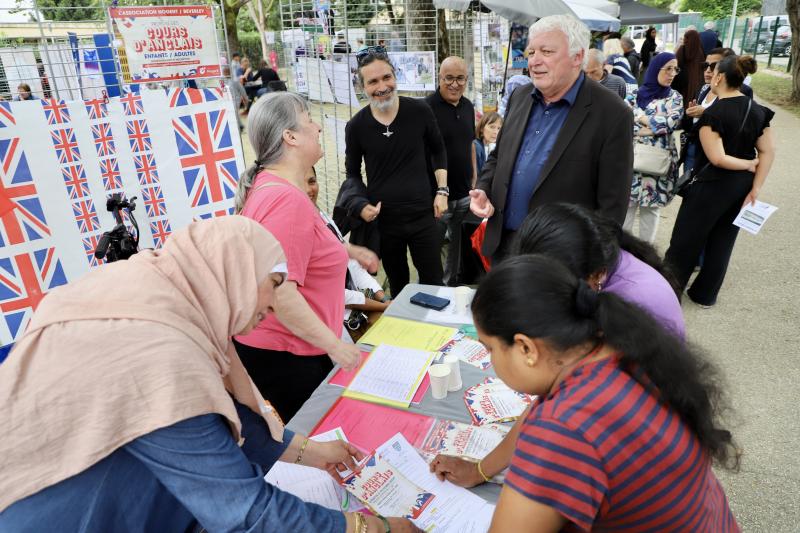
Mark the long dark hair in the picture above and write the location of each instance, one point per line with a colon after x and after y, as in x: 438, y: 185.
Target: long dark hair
x: 539, y: 297
x: 690, y: 57
x: 585, y: 241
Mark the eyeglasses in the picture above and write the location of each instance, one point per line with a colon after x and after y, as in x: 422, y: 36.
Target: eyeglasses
x: 374, y: 51
x: 712, y: 66
x: 449, y: 80
x: 676, y: 70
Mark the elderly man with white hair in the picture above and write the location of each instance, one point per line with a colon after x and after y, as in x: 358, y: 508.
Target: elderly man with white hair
x: 595, y: 70
x: 709, y: 37
x: 567, y: 139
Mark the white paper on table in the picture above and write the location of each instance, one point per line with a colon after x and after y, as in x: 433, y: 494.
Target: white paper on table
x: 753, y: 217
x: 462, y: 440
x: 450, y: 315
x: 454, y: 509
x: 312, y: 484
x: 493, y: 401
x: 470, y: 351
x: 392, y: 373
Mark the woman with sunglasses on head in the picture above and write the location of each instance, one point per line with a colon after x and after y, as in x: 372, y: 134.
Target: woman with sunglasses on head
x: 736, y: 156
x: 626, y: 425
x: 658, y: 113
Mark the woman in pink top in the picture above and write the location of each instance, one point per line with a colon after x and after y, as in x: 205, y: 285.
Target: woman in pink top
x: 289, y: 353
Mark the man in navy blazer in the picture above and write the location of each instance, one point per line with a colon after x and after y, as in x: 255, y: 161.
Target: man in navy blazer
x: 567, y: 139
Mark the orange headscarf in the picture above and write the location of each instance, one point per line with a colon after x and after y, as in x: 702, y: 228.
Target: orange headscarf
x: 132, y: 347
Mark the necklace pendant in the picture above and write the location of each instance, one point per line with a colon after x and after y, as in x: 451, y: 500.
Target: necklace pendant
x: 387, y: 133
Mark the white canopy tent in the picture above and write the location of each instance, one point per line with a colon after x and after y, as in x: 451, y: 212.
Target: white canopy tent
x: 598, y: 15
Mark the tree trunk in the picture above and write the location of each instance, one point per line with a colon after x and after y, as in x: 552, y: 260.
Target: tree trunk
x: 421, y: 18
x: 443, y: 37
x: 231, y: 13
x: 793, y: 10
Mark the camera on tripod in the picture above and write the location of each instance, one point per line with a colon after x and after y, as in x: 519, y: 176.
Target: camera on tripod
x: 119, y: 243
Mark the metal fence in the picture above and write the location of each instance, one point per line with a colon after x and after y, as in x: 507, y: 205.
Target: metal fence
x: 70, y: 52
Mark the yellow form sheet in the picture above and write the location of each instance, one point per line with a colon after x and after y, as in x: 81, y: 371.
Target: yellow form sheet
x: 407, y: 334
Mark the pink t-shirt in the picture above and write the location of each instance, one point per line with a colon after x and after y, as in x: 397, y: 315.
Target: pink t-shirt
x: 315, y: 259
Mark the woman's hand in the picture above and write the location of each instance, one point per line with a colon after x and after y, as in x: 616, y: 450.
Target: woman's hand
x: 346, y: 355
x: 334, y: 456
x: 365, y: 257
x: 694, y: 110
x: 753, y: 165
x: 375, y: 524
x: 456, y: 470
x: 751, y: 197
x: 370, y: 212
x: 644, y: 121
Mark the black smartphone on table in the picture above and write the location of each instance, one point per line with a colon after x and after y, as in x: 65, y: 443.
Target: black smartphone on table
x: 430, y: 301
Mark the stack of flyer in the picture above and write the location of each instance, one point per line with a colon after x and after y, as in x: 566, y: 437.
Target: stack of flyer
x: 395, y: 481
x: 493, y: 401
x: 470, y: 351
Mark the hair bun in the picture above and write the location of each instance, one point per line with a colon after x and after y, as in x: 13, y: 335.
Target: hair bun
x: 747, y: 64
x: 585, y: 300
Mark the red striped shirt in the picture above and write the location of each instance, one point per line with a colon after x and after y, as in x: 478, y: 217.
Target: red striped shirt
x: 607, y: 455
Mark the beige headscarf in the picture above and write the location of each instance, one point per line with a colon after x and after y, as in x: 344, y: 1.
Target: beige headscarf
x: 132, y: 347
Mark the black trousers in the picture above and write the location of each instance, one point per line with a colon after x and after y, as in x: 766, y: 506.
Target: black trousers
x: 284, y: 379
x: 705, y: 225
x: 417, y: 232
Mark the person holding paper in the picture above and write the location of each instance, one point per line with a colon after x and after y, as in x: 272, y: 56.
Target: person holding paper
x: 289, y: 354
x: 626, y: 426
x: 136, y: 414
x: 738, y: 151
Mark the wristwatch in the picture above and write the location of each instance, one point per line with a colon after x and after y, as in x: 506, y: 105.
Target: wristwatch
x: 444, y: 191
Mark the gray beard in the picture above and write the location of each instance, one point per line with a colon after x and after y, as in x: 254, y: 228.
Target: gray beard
x: 383, y: 105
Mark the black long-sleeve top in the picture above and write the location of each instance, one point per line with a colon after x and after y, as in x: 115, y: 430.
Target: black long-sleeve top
x: 397, y: 174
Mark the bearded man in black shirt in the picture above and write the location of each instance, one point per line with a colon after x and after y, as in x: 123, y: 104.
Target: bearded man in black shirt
x: 391, y: 135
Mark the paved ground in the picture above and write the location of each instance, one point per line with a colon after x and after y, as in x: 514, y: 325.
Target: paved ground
x: 753, y: 334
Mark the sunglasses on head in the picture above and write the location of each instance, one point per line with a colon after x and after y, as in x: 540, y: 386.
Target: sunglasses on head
x: 375, y: 51
x: 707, y: 65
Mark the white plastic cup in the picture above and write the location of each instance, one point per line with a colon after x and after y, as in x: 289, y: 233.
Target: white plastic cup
x: 454, y: 383
x: 462, y: 297
x: 440, y: 379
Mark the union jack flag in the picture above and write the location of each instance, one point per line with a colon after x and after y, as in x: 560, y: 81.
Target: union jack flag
x: 184, y: 97
x: 103, y: 139
x: 207, y: 157
x: 75, y: 180
x: 85, y: 216
x: 21, y: 215
x: 132, y: 104
x: 109, y: 171
x: 96, y: 109
x: 55, y: 111
x: 24, y: 279
x: 139, y: 136
x: 66, y: 145
x: 146, y: 170
x: 160, y: 230
x: 153, y: 200
x: 90, y: 243
x: 6, y: 116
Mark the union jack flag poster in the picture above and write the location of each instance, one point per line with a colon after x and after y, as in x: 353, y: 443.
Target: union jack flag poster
x: 97, y: 109
x: 24, y: 279
x: 181, y: 97
x: 6, y: 116
x: 66, y: 145
x: 55, y: 111
x: 109, y: 173
x: 85, y: 216
x: 207, y: 157
x: 103, y: 139
x: 153, y: 200
x: 139, y: 136
x: 146, y: 170
x: 76, y: 182
x: 132, y: 104
x: 160, y: 230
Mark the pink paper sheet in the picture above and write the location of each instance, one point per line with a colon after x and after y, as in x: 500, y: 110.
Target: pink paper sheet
x: 368, y: 425
x: 343, y: 379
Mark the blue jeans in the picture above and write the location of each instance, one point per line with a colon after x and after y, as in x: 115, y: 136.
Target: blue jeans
x: 177, y: 479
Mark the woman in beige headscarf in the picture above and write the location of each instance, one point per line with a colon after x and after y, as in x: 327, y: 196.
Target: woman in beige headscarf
x: 125, y: 407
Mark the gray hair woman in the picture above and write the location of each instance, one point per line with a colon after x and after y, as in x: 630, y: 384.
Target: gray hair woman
x: 289, y: 354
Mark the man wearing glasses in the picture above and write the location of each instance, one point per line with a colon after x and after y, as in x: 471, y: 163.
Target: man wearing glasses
x: 393, y: 136
x: 455, y: 116
x: 568, y: 139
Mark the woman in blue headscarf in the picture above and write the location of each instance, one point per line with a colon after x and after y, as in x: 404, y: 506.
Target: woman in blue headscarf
x: 657, y: 114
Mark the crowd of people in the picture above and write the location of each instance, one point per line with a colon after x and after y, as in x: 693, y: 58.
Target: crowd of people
x: 234, y: 322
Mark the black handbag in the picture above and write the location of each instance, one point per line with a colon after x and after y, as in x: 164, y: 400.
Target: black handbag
x: 688, y: 178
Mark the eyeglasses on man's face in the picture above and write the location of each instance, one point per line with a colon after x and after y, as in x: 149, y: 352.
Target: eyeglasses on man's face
x: 450, y: 80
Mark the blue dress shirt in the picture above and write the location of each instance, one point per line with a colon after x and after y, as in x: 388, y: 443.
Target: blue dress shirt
x: 544, y: 125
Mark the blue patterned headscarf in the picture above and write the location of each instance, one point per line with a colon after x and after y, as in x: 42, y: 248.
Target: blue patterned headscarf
x: 651, y: 89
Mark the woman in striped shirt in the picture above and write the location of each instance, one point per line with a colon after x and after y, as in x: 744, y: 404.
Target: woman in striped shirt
x: 625, y: 429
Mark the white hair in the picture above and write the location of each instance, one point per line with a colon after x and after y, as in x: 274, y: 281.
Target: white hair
x: 576, y: 31
x: 613, y: 46
x: 709, y: 25
x: 596, y: 55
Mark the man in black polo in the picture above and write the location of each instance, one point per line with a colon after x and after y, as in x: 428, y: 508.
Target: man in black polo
x: 455, y: 116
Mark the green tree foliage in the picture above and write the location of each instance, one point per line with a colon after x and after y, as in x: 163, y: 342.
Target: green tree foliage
x: 67, y: 10
x: 718, y: 9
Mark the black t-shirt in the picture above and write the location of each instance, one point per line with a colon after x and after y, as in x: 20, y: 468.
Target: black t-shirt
x: 397, y: 173
x: 457, y: 126
x: 725, y: 117
x: 267, y: 75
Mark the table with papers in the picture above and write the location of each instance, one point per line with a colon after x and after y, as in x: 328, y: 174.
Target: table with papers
x: 451, y: 408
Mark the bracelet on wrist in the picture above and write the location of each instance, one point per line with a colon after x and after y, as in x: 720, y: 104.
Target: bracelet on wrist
x: 443, y: 193
x: 361, y: 523
x: 486, y: 479
x: 302, y: 449
x: 386, y: 527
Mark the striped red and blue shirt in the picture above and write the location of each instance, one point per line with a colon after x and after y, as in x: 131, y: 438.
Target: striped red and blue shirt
x: 606, y: 454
